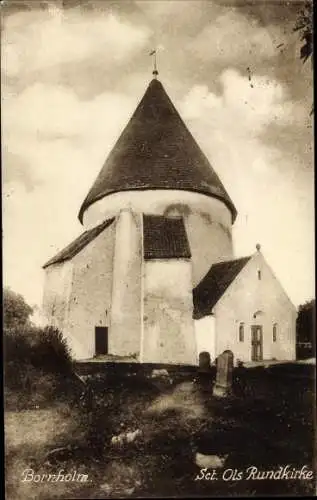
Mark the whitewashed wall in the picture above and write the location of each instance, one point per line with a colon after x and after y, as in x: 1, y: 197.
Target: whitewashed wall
x: 77, y: 293
x: 208, y: 221
x: 57, y: 290
x: 246, y: 296
x: 168, y: 334
x: 125, y: 331
x: 205, y: 336
x: 90, y: 299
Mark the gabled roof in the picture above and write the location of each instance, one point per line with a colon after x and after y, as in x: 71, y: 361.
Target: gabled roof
x: 78, y: 244
x: 164, y: 238
x: 212, y: 287
x: 156, y: 151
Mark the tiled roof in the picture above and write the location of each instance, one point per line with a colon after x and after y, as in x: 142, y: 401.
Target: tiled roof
x: 156, y: 151
x: 214, y: 284
x: 78, y: 244
x: 164, y: 238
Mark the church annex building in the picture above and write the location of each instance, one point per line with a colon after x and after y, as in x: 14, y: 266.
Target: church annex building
x: 153, y: 277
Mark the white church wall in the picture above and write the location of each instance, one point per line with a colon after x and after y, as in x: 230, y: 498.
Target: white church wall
x: 168, y: 331
x: 90, y: 299
x: 266, y: 298
x: 125, y: 328
x: 57, y: 288
x: 205, y: 336
x: 210, y: 242
x: 207, y: 220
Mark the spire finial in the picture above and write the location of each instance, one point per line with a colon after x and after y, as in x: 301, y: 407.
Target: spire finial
x: 154, y: 72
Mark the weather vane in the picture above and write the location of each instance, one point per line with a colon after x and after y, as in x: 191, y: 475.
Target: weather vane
x: 154, y: 72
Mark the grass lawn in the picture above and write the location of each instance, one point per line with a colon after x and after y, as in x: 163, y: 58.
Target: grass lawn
x: 267, y: 423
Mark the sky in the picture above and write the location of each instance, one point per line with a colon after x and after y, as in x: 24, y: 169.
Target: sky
x: 72, y: 75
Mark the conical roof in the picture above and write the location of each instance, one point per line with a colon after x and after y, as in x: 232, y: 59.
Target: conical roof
x: 156, y: 151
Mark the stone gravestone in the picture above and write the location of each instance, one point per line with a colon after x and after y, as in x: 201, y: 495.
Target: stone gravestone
x: 204, y: 362
x: 223, y: 384
x: 205, y: 375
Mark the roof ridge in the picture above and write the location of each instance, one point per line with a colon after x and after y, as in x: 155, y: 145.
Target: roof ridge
x: 231, y: 261
x: 79, y: 243
x: 215, y: 283
x: 156, y: 150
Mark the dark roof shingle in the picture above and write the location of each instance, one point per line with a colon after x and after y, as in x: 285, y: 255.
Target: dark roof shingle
x: 78, y: 244
x: 211, y: 288
x: 164, y: 238
x: 156, y: 151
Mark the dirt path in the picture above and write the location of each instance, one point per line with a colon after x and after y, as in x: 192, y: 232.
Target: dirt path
x: 38, y: 427
x: 175, y: 424
x: 29, y: 434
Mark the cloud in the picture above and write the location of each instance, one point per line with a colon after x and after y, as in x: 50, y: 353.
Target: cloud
x: 239, y: 114
x: 43, y: 121
x: 232, y: 36
x: 72, y: 78
x: 38, y: 40
x: 262, y: 181
x: 181, y: 12
x: 16, y: 170
x: 54, y: 140
x: 64, y: 142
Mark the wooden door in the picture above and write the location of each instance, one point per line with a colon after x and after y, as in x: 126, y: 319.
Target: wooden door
x: 256, y: 343
x: 101, y: 340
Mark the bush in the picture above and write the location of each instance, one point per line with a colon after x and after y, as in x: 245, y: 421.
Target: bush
x: 45, y: 349
x: 51, y: 352
x: 38, y: 366
x: 16, y: 312
x: 17, y: 348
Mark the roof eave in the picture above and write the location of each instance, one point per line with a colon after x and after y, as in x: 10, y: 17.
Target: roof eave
x: 229, y: 204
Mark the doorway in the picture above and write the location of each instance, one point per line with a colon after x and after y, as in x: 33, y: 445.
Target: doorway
x: 256, y: 343
x: 101, y: 340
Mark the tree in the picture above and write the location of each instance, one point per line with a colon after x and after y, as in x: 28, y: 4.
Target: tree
x: 304, y: 25
x: 305, y: 323
x: 16, y: 312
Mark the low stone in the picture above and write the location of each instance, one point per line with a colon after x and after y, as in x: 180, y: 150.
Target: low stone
x: 132, y: 436
x: 209, y: 461
x: 223, y: 383
x: 58, y: 454
x: 120, y: 440
x: 204, y: 362
x: 106, y: 488
x: 159, y: 373
x: 129, y: 491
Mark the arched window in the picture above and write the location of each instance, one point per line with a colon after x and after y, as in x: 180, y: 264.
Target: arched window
x: 259, y: 274
x: 241, y: 332
x: 275, y: 332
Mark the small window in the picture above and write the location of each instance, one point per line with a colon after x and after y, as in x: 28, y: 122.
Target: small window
x: 241, y: 332
x: 274, y: 332
x: 259, y: 274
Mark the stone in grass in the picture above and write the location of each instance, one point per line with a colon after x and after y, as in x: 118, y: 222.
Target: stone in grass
x: 59, y: 454
x: 124, y: 438
x: 210, y: 461
x: 223, y: 386
x: 161, y: 375
x: 128, y: 491
x: 106, y: 488
x: 133, y: 436
x: 204, y: 362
